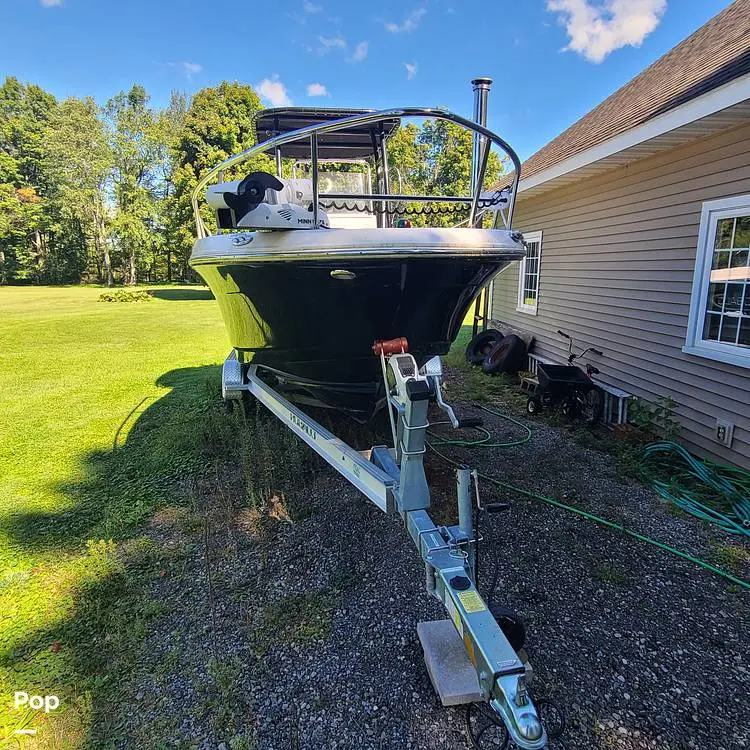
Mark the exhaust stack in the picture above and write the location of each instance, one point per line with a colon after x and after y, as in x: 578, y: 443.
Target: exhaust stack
x: 481, y: 87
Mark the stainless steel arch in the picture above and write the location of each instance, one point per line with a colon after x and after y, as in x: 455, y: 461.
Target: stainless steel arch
x: 312, y: 131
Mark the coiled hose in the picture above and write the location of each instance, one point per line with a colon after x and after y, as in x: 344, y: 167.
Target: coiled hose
x: 486, y: 440
x: 689, y: 479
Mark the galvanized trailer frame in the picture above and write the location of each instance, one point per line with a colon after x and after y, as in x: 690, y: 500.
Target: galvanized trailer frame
x: 394, y: 480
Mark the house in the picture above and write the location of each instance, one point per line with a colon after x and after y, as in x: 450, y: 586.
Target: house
x: 637, y: 220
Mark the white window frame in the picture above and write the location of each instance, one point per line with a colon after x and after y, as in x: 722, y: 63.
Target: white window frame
x: 711, y: 213
x: 521, y: 305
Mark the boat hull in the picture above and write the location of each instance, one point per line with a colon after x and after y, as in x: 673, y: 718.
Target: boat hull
x: 312, y: 322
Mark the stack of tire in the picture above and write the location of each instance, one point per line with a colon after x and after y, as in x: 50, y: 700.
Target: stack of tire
x: 495, y: 352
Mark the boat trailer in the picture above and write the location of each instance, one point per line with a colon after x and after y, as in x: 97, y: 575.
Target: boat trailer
x: 471, y: 660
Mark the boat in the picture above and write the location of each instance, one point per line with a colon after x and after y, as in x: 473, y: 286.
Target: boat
x: 310, y: 270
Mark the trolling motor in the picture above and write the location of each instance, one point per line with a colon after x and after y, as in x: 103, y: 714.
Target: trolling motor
x: 263, y: 201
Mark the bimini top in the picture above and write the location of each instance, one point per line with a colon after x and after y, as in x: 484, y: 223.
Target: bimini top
x: 356, y: 142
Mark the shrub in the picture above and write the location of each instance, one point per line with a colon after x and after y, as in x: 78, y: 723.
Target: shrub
x: 657, y: 419
x: 125, y: 295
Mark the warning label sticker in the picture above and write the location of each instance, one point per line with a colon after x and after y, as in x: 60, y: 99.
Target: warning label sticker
x: 470, y: 649
x: 455, y: 615
x: 471, y: 601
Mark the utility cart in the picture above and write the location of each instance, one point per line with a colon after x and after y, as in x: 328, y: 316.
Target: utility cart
x: 569, y: 388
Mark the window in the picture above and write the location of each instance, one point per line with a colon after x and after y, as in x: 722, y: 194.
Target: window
x: 528, y: 274
x: 719, y: 323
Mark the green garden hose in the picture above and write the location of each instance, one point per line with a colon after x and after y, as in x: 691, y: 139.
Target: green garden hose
x: 688, y: 479
x: 486, y: 440
x: 740, y: 479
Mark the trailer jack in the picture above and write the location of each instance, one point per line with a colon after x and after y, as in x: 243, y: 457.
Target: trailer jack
x: 469, y: 645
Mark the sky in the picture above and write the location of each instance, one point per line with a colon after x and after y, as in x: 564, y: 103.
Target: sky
x: 551, y: 60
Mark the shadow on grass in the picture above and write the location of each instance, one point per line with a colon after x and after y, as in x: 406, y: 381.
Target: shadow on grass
x: 181, y: 294
x: 125, y: 485
x: 89, y: 655
x: 80, y: 656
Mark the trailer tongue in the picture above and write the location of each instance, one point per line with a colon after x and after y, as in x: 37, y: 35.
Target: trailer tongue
x: 471, y: 659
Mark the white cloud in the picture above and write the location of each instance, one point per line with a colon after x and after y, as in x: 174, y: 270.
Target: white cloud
x: 296, y: 17
x: 597, y: 28
x: 274, y: 91
x: 50, y: 3
x: 360, y: 52
x: 191, y: 68
x: 188, y: 68
x: 317, y: 89
x: 311, y: 7
x: 410, y: 22
x: 411, y: 70
x: 329, y: 43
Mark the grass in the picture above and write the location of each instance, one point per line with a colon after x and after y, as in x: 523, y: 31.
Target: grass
x: 102, y: 412
x: 609, y: 572
x: 297, y: 618
x: 476, y: 385
x: 730, y: 556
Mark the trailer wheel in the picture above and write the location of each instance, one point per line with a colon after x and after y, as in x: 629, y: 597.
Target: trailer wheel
x: 533, y: 405
x: 511, y: 624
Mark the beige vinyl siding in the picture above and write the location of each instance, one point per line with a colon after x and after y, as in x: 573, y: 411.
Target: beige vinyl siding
x: 617, y: 260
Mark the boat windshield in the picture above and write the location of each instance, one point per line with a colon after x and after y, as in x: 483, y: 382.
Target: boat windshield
x: 343, y: 182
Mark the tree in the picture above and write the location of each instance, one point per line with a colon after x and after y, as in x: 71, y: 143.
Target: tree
x: 218, y: 123
x: 78, y: 160
x: 406, y: 156
x: 21, y: 213
x: 436, y: 160
x: 24, y: 114
x: 169, y: 126
x: 135, y: 151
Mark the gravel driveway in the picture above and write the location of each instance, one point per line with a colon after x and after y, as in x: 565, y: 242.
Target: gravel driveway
x: 279, y: 633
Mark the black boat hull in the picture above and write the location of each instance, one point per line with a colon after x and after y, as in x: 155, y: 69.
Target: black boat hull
x: 312, y: 323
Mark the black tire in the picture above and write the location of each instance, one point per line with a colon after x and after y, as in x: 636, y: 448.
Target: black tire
x: 569, y: 407
x: 591, y: 406
x: 533, y: 405
x: 480, y: 346
x: 511, y: 624
x: 505, y: 356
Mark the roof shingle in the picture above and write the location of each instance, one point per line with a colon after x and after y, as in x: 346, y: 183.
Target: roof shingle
x: 718, y: 52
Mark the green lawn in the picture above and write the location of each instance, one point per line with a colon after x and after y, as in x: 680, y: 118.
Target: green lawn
x: 84, y: 384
